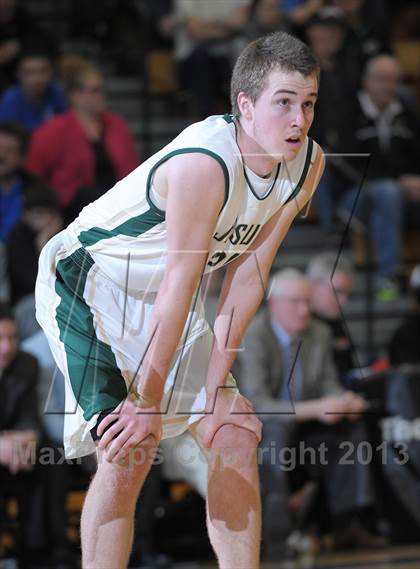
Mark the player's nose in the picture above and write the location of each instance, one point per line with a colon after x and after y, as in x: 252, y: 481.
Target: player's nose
x: 299, y: 118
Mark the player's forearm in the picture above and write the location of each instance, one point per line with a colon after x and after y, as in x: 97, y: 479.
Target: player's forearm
x: 234, y: 315
x: 169, y: 317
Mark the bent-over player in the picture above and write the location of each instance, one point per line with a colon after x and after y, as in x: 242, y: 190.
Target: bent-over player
x: 118, y: 297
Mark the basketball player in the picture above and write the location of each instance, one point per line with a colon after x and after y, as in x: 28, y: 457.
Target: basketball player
x: 118, y: 297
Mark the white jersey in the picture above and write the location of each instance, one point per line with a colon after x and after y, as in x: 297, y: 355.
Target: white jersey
x: 125, y: 230
x: 98, y: 280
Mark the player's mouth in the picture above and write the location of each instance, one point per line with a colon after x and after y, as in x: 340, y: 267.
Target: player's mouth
x: 293, y: 141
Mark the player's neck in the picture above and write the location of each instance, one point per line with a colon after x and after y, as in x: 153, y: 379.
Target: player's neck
x: 253, y: 155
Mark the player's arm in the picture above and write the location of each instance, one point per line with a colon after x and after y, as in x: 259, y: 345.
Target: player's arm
x: 246, y: 280
x: 195, y: 185
x: 195, y: 198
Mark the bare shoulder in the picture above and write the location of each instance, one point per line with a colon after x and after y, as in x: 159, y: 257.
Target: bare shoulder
x: 191, y: 172
x: 195, y: 165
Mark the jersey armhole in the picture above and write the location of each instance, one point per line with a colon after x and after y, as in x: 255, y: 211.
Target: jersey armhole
x: 306, y: 166
x: 192, y: 150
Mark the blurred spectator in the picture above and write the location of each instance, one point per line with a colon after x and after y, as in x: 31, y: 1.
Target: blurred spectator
x: 4, y: 278
x: 40, y: 220
x: 299, y: 12
x: 368, y: 31
x: 331, y: 285
x: 381, y: 126
x: 17, y: 31
x: 19, y: 427
x: 26, y: 322
x: 51, y: 386
x: 404, y: 345
x: 37, y: 98
x: 13, y: 180
x: 265, y: 17
x: 287, y: 371
x: 117, y: 28
x: 405, y: 20
x: 161, y: 23
x: 87, y: 146
x: 58, y: 477
x: 325, y: 34
x: 204, y: 47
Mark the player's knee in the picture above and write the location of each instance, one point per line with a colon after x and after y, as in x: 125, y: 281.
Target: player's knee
x: 234, y: 448
x: 130, y: 466
x: 233, y: 436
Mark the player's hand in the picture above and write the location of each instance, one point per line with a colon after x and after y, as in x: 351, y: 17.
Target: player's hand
x: 130, y: 426
x: 229, y: 407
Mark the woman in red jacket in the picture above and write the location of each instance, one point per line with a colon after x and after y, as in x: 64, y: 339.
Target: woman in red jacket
x: 85, y: 148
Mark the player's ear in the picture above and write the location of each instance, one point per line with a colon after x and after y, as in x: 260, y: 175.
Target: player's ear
x: 245, y: 105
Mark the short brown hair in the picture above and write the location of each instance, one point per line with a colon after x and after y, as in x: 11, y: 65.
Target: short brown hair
x: 278, y: 50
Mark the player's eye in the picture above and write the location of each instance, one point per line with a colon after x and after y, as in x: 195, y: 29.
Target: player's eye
x: 308, y: 104
x: 283, y: 102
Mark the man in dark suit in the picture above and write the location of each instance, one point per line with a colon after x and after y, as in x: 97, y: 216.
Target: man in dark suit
x: 287, y: 371
x: 19, y: 427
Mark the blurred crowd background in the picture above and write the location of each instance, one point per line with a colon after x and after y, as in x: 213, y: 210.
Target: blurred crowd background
x: 88, y: 91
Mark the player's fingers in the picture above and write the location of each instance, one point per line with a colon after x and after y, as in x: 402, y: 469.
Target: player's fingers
x: 255, y: 426
x: 248, y: 402
x: 250, y: 407
x: 128, y: 450
x: 251, y: 423
x: 244, y: 408
x: 117, y: 444
x: 110, y: 418
x: 109, y: 435
x: 136, y: 449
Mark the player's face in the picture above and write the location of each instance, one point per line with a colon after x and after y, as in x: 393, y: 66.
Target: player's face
x: 283, y: 113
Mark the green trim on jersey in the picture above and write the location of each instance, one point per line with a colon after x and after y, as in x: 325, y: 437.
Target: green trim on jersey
x: 270, y: 189
x: 228, y: 118
x: 96, y: 380
x: 132, y: 227
x: 192, y: 150
x: 304, y: 171
x: 147, y: 220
